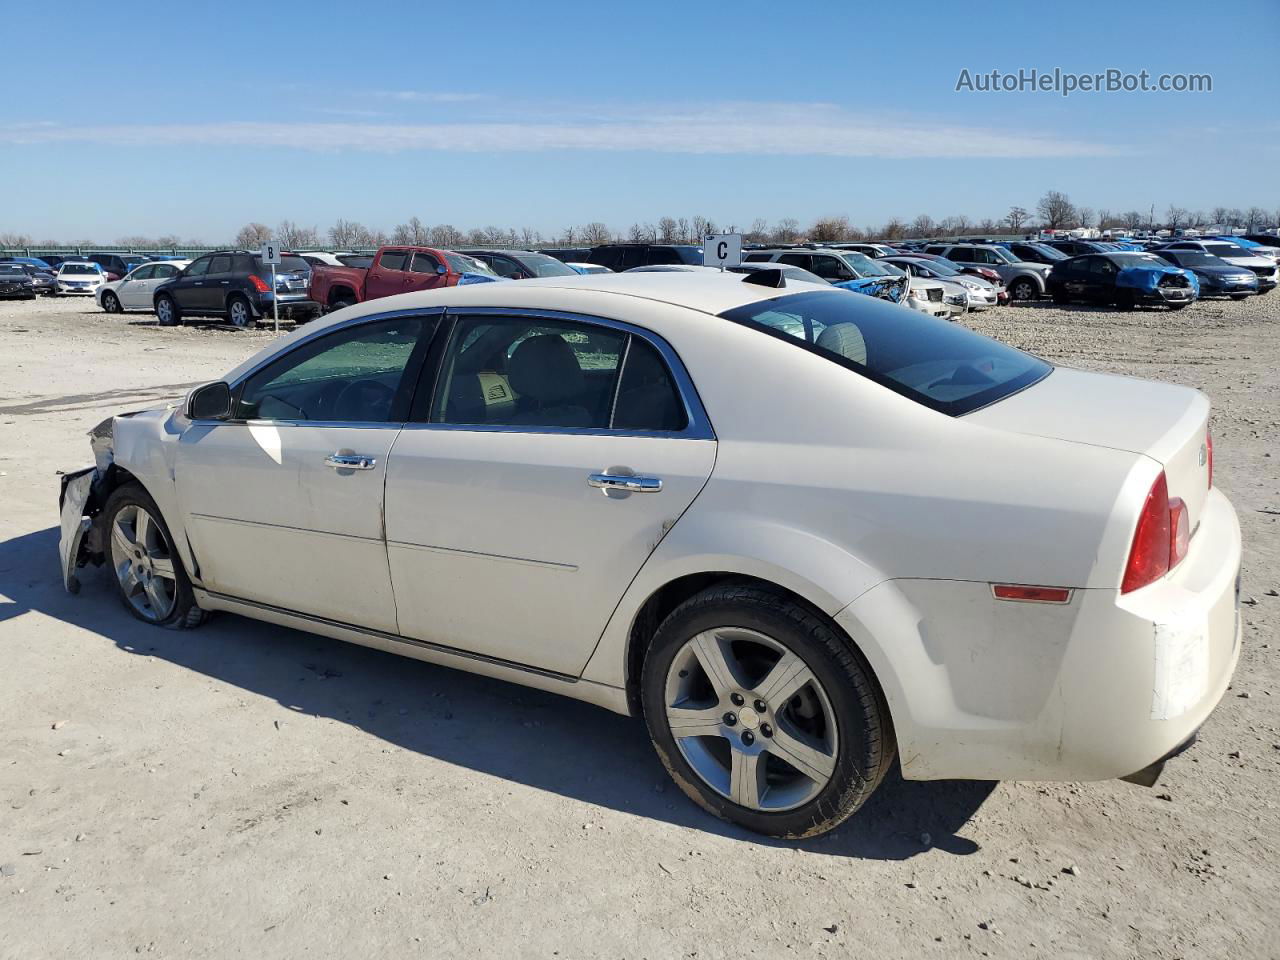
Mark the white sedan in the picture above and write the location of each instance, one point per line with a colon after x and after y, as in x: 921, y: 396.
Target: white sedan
x: 78, y: 277
x: 800, y: 532
x: 136, y: 290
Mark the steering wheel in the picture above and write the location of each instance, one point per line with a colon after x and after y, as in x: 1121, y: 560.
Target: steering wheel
x: 364, y: 400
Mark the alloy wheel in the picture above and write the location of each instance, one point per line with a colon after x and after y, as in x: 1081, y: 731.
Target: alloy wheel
x: 239, y: 313
x: 143, y: 562
x: 751, y: 719
x: 164, y: 311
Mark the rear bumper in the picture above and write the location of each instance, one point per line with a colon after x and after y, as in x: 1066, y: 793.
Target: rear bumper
x: 290, y: 306
x: 1101, y: 687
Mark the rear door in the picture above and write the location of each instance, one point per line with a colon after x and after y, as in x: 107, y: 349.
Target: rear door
x: 389, y: 274
x: 217, y: 284
x: 552, y: 460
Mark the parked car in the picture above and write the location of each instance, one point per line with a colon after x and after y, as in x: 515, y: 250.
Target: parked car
x: 979, y: 293
x: 235, y: 284
x: 624, y: 256
x: 568, y: 254
x: 521, y: 264
x: 787, y: 271
x: 969, y: 269
x: 42, y: 281
x: 586, y: 267
x: 906, y: 540
x: 1033, y: 252
x: 322, y: 259
x: 397, y: 269
x: 55, y: 260
x: 38, y: 262
x: 1263, y: 268
x: 935, y: 297
x: 1216, y: 276
x: 844, y: 268
x: 78, y: 277
x: 1125, y: 279
x: 1076, y: 248
x: 1025, y: 281
x: 136, y: 291
x: 15, y: 283
x: 873, y: 250
x: 118, y: 264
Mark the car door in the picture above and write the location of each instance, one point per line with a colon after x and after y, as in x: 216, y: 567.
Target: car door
x: 389, y: 274
x: 552, y: 460
x: 1102, y: 278
x: 187, y: 289
x: 282, y: 503
x: 426, y: 272
x: 134, y: 290
x: 217, y: 284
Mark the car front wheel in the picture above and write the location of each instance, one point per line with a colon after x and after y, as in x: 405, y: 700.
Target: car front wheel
x: 1024, y: 290
x: 763, y: 713
x: 111, y: 303
x: 149, y: 574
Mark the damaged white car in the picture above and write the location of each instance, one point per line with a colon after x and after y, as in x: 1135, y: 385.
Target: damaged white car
x: 799, y: 532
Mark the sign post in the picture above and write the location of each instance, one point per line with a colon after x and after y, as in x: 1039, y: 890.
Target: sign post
x: 271, y: 255
x: 722, y: 250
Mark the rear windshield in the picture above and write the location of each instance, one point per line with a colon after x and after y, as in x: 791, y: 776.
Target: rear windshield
x: 288, y: 264
x: 363, y: 261
x: 934, y: 362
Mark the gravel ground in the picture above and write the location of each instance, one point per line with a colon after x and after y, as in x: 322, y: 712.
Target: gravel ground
x: 245, y: 790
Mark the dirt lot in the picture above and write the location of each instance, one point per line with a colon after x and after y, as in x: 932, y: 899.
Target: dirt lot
x: 244, y: 790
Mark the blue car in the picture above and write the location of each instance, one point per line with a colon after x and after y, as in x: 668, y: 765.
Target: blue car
x: 29, y: 261
x: 1216, y: 276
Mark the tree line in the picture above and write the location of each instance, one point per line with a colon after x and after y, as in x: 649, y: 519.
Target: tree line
x: 1053, y: 211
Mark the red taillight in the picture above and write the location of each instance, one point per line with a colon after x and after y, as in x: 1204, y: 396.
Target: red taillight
x: 1208, y: 444
x: 258, y: 283
x: 1152, y: 540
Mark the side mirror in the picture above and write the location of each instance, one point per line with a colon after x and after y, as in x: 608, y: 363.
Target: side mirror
x: 441, y: 269
x: 210, y: 402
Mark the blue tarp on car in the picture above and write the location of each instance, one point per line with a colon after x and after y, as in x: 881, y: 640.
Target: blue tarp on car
x: 1147, y: 279
x: 893, y: 289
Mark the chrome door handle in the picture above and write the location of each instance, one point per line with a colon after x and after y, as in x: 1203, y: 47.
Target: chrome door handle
x: 350, y: 461
x: 629, y: 484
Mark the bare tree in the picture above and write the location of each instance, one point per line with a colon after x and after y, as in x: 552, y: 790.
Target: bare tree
x: 1176, y: 217
x: 1016, y: 217
x: 786, y: 230
x: 667, y: 229
x: 291, y: 236
x: 253, y: 235
x: 682, y: 226
x: 1056, y: 210
x: 1084, y: 217
x: 346, y: 233
x: 530, y: 237
x: 1255, y: 219
x: 1221, y: 216
x: 923, y: 226
x: 444, y: 235
x: 1132, y: 219
x: 635, y: 233
x: 595, y: 232
x: 829, y: 229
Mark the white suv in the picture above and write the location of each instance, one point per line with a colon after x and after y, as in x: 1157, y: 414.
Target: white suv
x: 1025, y: 281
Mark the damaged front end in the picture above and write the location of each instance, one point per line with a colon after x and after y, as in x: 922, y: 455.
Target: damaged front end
x: 80, y: 500
x: 893, y: 289
x: 1159, y: 284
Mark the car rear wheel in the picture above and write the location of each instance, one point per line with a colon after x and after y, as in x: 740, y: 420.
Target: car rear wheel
x: 1024, y: 289
x: 149, y: 574
x: 763, y: 713
x: 111, y: 303
x: 239, y: 312
x: 167, y: 311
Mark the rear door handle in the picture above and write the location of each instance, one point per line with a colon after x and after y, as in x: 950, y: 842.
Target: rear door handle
x: 350, y: 461
x: 629, y: 484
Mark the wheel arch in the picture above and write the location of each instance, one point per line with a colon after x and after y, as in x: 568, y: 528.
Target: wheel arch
x: 339, y: 292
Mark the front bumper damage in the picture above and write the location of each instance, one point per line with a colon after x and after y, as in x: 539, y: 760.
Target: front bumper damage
x: 81, y: 497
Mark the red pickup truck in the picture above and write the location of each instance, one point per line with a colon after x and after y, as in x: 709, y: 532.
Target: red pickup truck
x: 394, y: 270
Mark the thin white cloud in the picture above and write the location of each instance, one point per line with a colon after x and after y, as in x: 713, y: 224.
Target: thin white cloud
x: 730, y: 129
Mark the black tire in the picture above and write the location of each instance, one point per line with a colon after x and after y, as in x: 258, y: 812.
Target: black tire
x: 339, y: 304
x: 185, y: 614
x: 865, y: 744
x: 239, y: 312
x: 168, y: 313
x: 1060, y: 298
x: 111, y: 303
x: 1024, y: 289
x: 1125, y: 300
x: 1239, y: 296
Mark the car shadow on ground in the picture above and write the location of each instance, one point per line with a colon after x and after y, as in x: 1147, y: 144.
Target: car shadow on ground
x: 538, y: 739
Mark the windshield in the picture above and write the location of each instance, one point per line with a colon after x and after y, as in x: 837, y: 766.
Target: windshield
x: 1227, y: 250
x: 540, y: 265
x: 936, y: 266
x: 9, y: 270
x: 1194, y: 258
x: 79, y: 268
x: 1136, y: 260
x: 1003, y: 254
x: 934, y: 362
x: 461, y: 263
x: 1049, y: 252
x: 864, y: 266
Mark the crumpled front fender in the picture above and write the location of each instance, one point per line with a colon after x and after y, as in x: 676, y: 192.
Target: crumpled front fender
x: 79, y: 504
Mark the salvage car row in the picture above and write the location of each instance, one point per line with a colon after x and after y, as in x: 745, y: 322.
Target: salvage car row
x: 939, y: 279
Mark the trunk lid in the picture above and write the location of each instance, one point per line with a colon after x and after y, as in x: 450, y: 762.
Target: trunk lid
x: 1163, y: 421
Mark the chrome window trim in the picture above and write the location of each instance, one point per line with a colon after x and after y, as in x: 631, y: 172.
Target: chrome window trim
x: 697, y: 427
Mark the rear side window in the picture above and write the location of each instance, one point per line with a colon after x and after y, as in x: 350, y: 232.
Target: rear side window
x: 220, y: 265
x: 936, y: 363
x: 647, y: 395
x: 658, y: 256
x: 394, y: 260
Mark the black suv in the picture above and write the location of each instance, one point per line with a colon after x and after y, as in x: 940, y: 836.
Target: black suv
x: 236, y: 284
x: 623, y: 256
x: 118, y: 263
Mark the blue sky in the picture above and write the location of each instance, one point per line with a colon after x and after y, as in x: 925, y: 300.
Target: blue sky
x: 178, y: 118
